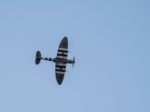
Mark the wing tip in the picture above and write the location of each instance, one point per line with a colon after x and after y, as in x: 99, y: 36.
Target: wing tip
x: 65, y: 38
x: 59, y: 82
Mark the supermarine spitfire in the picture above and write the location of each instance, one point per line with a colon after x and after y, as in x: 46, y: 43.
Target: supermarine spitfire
x: 60, y: 61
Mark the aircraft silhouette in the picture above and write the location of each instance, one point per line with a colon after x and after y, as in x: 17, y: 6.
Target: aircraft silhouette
x: 60, y: 61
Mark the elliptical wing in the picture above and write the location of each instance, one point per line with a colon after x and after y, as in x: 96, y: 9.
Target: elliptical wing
x: 62, y: 53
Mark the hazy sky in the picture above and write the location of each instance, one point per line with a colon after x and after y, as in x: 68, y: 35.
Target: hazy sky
x: 109, y: 38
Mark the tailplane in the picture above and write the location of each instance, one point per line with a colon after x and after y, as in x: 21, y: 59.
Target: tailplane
x: 38, y: 57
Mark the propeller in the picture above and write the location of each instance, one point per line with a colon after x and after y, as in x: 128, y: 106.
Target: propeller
x: 73, y: 62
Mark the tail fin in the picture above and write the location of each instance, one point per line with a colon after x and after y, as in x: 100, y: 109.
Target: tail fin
x: 38, y: 57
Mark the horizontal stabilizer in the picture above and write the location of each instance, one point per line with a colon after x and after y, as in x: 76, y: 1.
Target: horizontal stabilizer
x: 38, y: 57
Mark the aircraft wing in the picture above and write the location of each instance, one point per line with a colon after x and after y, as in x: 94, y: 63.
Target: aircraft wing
x: 60, y: 72
x: 62, y: 53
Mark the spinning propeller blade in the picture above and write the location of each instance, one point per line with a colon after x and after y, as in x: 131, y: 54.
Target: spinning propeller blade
x: 73, y: 62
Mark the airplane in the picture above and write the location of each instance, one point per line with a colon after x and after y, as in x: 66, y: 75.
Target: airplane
x: 60, y: 60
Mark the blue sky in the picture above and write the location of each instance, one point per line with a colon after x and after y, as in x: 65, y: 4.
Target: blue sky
x: 109, y: 38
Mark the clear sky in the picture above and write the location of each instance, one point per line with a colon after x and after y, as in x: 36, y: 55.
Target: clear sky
x: 109, y: 38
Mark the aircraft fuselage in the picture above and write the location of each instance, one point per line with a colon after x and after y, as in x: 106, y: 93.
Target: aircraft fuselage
x: 59, y: 60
